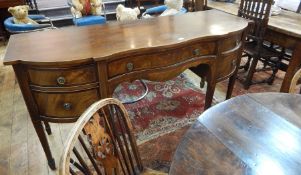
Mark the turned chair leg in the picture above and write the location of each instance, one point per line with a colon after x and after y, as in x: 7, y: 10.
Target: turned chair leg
x: 251, y: 71
x: 47, y: 128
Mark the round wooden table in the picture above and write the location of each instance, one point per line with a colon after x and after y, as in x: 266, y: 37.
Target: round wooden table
x: 250, y: 134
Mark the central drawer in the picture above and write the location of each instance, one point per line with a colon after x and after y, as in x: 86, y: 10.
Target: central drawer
x: 62, y: 76
x: 154, y: 60
x: 62, y: 105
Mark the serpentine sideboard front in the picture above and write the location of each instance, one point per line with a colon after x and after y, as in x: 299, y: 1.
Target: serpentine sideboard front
x: 62, y: 72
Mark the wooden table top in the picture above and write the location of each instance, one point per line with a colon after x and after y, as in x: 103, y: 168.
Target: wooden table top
x: 249, y: 134
x: 287, y: 22
x: 100, y: 42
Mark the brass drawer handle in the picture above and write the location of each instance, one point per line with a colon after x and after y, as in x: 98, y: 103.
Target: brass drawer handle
x: 196, y: 52
x: 130, y: 66
x: 61, y: 80
x: 67, y: 106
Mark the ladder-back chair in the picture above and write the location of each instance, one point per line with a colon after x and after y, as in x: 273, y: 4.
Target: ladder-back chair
x: 102, y: 142
x: 255, y: 50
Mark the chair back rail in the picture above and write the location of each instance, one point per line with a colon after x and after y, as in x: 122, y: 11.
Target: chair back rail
x: 102, y: 142
x: 295, y: 81
x: 258, y: 11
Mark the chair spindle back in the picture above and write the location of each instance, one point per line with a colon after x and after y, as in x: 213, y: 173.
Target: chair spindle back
x: 102, y: 142
x: 258, y: 11
x: 295, y: 81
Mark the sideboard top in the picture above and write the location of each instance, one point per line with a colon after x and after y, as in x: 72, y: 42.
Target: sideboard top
x: 100, y: 42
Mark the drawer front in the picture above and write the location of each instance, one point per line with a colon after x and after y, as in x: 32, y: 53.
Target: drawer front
x: 65, y: 105
x: 62, y: 77
x: 154, y: 60
x: 226, y: 65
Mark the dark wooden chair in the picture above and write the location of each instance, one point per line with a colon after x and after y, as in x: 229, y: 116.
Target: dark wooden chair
x: 255, y: 48
x: 102, y: 142
x: 195, y: 5
x: 139, y: 2
x: 295, y: 81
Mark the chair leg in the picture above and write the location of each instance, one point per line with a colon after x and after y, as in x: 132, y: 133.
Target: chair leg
x: 47, y: 128
x: 251, y: 71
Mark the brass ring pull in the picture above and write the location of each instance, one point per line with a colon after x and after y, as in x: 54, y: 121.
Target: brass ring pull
x: 130, y: 66
x: 196, y: 52
x: 67, y: 106
x: 61, y: 80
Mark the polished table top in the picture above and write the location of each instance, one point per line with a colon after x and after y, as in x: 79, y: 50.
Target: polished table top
x: 102, y: 42
x: 249, y: 134
x: 287, y: 22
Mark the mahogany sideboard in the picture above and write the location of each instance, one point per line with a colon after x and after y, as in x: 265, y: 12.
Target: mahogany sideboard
x: 61, y: 72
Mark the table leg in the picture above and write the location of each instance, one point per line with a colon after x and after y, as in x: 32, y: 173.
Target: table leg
x: 293, y: 66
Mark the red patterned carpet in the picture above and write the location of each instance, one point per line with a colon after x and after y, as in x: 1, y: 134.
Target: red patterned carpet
x: 167, y: 107
x: 163, y: 117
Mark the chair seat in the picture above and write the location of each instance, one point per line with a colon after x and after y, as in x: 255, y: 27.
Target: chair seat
x: 265, y: 52
x: 89, y: 20
x: 12, y: 27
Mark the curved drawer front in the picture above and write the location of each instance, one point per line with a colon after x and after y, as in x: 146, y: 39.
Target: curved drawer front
x: 226, y: 65
x: 62, y: 105
x: 62, y: 77
x: 154, y: 60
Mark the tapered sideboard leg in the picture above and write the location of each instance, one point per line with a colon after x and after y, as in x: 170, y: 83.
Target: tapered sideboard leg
x: 43, y: 139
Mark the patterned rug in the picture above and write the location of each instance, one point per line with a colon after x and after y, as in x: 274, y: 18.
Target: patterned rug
x: 167, y: 107
x: 162, y: 117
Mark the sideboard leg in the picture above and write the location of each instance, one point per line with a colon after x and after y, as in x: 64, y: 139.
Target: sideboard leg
x: 43, y: 139
x: 231, y: 85
x: 209, y: 95
x: 47, y: 128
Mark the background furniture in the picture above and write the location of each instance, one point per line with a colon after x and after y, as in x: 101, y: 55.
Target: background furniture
x: 160, y: 9
x: 103, y: 142
x: 58, y: 83
x: 255, y: 48
x: 249, y: 134
x: 195, y: 5
x: 139, y: 2
x: 89, y: 19
x: 283, y: 29
x: 4, y: 5
x: 11, y: 27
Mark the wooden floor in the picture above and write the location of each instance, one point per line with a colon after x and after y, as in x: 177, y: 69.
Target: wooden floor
x: 20, y: 149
